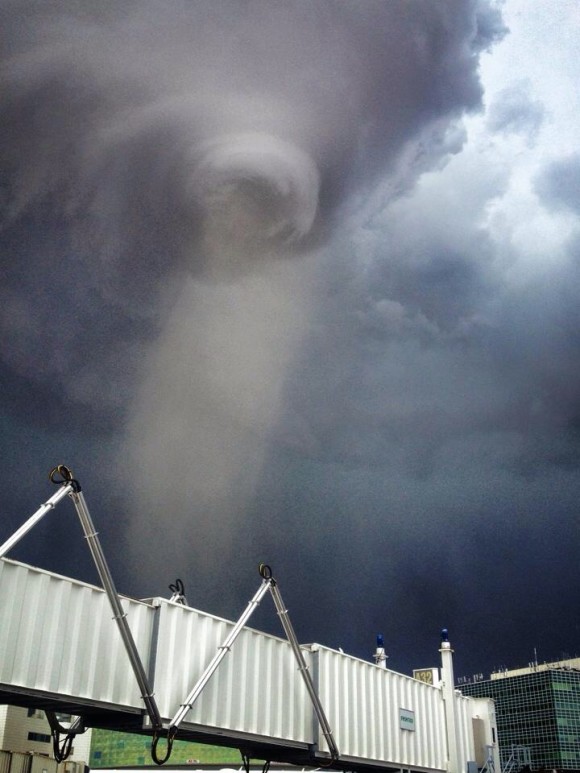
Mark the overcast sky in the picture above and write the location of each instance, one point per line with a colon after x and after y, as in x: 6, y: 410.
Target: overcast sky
x: 299, y: 283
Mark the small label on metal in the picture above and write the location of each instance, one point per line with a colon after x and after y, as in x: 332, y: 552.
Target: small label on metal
x: 406, y: 719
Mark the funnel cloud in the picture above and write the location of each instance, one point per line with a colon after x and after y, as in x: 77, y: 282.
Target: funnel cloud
x: 296, y: 282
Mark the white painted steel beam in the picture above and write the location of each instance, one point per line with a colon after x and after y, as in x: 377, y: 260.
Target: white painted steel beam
x: 49, y: 505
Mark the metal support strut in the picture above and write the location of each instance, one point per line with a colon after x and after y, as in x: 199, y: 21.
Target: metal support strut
x: 217, y: 659
x: 268, y: 584
x: 63, y: 476
x: 35, y: 518
x: 302, y: 667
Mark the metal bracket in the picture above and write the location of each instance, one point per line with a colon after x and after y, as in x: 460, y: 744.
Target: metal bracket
x: 62, y: 749
x: 246, y: 763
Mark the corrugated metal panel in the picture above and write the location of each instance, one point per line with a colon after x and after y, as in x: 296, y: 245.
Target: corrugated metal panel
x: 58, y: 636
x: 483, y: 711
x: 40, y: 764
x: 464, y: 713
x: 4, y: 762
x: 20, y: 763
x: 257, y: 688
x: 363, y: 703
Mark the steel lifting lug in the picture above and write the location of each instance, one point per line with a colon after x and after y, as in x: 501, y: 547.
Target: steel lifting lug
x: 265, y: 572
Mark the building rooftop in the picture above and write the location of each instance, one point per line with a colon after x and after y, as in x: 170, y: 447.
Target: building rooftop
x: 572, y: 664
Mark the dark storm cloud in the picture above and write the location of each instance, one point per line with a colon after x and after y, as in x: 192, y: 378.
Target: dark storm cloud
x: 134, y: 141
x: 238, y: 226
x: 432, y: 346
x: 539, y: 347
x: 407, y: 342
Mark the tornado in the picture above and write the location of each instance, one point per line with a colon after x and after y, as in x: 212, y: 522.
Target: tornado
x: 173, y: 176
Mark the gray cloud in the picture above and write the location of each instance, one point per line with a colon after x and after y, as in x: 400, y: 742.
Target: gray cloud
x: 239, y: 260
x: 431, y: 346
x: 515, y: 110
x: 141, y: 147
x: 558, y: 184
x: 138, y: 145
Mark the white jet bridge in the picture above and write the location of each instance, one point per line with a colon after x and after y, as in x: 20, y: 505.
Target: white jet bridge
x: 166, y: 670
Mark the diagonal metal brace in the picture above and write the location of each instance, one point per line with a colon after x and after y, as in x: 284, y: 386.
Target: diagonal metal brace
x: 268, y: 584
x: 62, y: 476
x: 303, y: 667
x: 49, y: 505
x: 217, y: 658
x: 119, y: 614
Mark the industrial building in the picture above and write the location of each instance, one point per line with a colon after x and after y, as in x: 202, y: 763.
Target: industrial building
x: 114, y: 749
x: 537, y: 714
x: 26, y: 743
